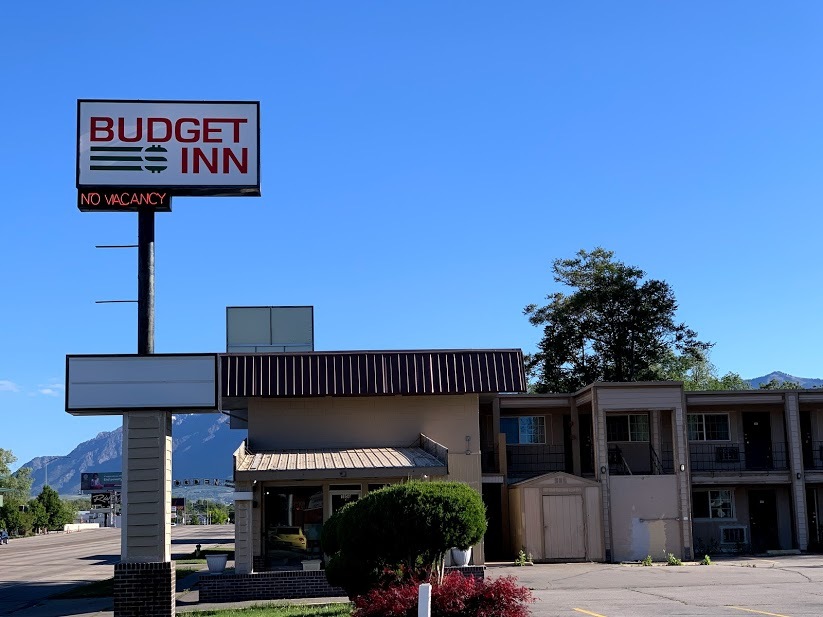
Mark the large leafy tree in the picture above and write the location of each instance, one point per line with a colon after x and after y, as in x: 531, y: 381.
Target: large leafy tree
x: 700, y: 374
x: 612, y: 326
x: 19, y: 482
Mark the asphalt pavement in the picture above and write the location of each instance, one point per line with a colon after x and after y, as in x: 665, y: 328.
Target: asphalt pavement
x: 792, y: 586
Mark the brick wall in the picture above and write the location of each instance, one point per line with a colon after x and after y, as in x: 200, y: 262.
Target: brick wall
x: 266, y: 586
x: 144, y: 589
x: 478, y: 572
x: 283, y: 585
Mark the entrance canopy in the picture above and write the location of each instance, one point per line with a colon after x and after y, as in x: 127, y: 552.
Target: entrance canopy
x: 331, y: 463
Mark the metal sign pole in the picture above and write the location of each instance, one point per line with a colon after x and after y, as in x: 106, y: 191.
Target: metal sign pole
x: 145, y: 281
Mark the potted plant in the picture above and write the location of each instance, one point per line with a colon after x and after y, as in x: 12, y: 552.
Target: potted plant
x: 217, y: 562
x: 461, y: 557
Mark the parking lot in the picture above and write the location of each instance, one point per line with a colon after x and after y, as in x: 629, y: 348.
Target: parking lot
x: 781, y: 587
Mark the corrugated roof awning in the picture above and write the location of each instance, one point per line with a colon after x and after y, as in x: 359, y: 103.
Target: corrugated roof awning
x: 331, y: 463
x: 372, y: 373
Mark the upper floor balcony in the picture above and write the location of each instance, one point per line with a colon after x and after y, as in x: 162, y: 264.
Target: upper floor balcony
x: 738, y: 456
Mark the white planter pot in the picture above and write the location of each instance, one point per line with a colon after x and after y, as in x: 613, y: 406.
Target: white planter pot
x: 217, y: 563
x: 460, y: 557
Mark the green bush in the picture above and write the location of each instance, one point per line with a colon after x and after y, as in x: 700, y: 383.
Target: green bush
x: 647, y: 560
x: 401, y: 532
x: 671, y: 560
x: 706, y: 561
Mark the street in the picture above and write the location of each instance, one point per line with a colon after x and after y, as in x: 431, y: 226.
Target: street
x: 37, y: 567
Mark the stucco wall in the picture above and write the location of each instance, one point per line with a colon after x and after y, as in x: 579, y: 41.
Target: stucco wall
x: 364, y: 422
x: 645, y: 517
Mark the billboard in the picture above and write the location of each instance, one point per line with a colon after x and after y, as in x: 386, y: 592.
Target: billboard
x: 101, y: 500
x: 177, y: 147
x: 98, y: 480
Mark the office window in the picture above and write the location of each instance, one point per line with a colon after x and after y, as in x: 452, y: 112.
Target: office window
x: 713, y: 504
x: 634, y: 427
x: 524, y: 429
x: 708, y: 427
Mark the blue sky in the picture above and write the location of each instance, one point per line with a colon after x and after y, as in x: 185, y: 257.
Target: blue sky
x: 422, y: 165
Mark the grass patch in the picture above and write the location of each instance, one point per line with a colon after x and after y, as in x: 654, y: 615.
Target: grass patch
x: 105, y: 588
x: 313, y: 610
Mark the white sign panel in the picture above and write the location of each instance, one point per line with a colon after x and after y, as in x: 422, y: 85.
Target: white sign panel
x: 269, y: 329
x: 186, y: 147
x: 114, y: 384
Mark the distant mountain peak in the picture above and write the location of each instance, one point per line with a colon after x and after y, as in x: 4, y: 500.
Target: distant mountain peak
x: 804, y: 382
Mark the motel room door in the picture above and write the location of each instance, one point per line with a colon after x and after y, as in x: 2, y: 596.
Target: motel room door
x: 564, y: 529
x: 757, y: 435
x: 763, y: 520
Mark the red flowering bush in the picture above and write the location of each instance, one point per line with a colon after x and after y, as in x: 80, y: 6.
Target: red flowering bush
x: 456, y: 596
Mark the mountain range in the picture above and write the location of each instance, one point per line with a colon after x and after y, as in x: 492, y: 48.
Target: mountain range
x: 202, y: 447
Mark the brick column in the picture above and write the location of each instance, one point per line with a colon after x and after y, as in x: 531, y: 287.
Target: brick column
x: 144, y: 589
x: 795, y: 445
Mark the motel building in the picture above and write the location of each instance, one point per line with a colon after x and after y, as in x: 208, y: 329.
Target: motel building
x: 611, y: 473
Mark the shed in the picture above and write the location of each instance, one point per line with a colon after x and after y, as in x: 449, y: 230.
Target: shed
x: 557, y: 517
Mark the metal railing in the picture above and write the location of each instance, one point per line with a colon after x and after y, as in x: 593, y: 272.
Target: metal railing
x: 735, y: 456
x: 813, y: 454
x: 641, y: 458
x: 526, y: 461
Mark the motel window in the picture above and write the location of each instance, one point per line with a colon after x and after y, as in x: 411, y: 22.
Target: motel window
x: 524, y: 429
x: 713, y: 504
x: 708, y: 427
x: 633, y: 427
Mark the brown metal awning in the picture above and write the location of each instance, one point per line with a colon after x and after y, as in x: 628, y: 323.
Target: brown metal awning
x: 372, y: 373
x: 335, y: 463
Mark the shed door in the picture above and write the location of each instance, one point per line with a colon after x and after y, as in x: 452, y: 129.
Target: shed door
x: 564, y: 534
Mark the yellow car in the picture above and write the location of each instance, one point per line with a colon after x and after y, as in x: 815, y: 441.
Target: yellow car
x: 288, y: 537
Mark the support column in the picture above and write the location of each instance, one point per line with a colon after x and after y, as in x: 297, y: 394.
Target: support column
x: 795, y: 444
x: 243, y: 542
x: 601, y: 462
x: 681, y: 457
x: 575, y: 431
x: 496, y: 431
x: 144, y: 580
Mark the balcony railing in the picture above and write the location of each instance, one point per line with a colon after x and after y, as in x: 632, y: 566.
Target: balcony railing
x: 527, y: 461
x: 813, y: 455
x: 640, y: 458
x: 731, y: 456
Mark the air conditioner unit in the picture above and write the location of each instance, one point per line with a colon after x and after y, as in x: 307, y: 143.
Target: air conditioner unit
x: 733, y: 535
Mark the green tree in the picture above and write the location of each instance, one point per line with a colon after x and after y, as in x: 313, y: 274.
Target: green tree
x: 17, y: 516
x: 57, y: 512
x: 780, y: 384
x: 612, y: 326
x: 699, y: 374
x: 19, y: 482
x: 404, y: 528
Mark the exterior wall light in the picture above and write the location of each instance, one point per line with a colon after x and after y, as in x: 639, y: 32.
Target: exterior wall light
x: 682, y: 467
x: 603, y: 469
x: 798, y: 475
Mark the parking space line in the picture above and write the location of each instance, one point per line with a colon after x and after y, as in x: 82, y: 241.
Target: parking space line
x: 751, y: 610
x: 580, y: 610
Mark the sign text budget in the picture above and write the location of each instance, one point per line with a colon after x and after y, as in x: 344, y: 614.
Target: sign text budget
x: 187, y: 148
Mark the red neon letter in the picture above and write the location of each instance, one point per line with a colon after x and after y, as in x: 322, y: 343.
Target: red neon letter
x: 242, y: 165
x: 192, y: 136
x: 164, y: 122
x: 107, y: 123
